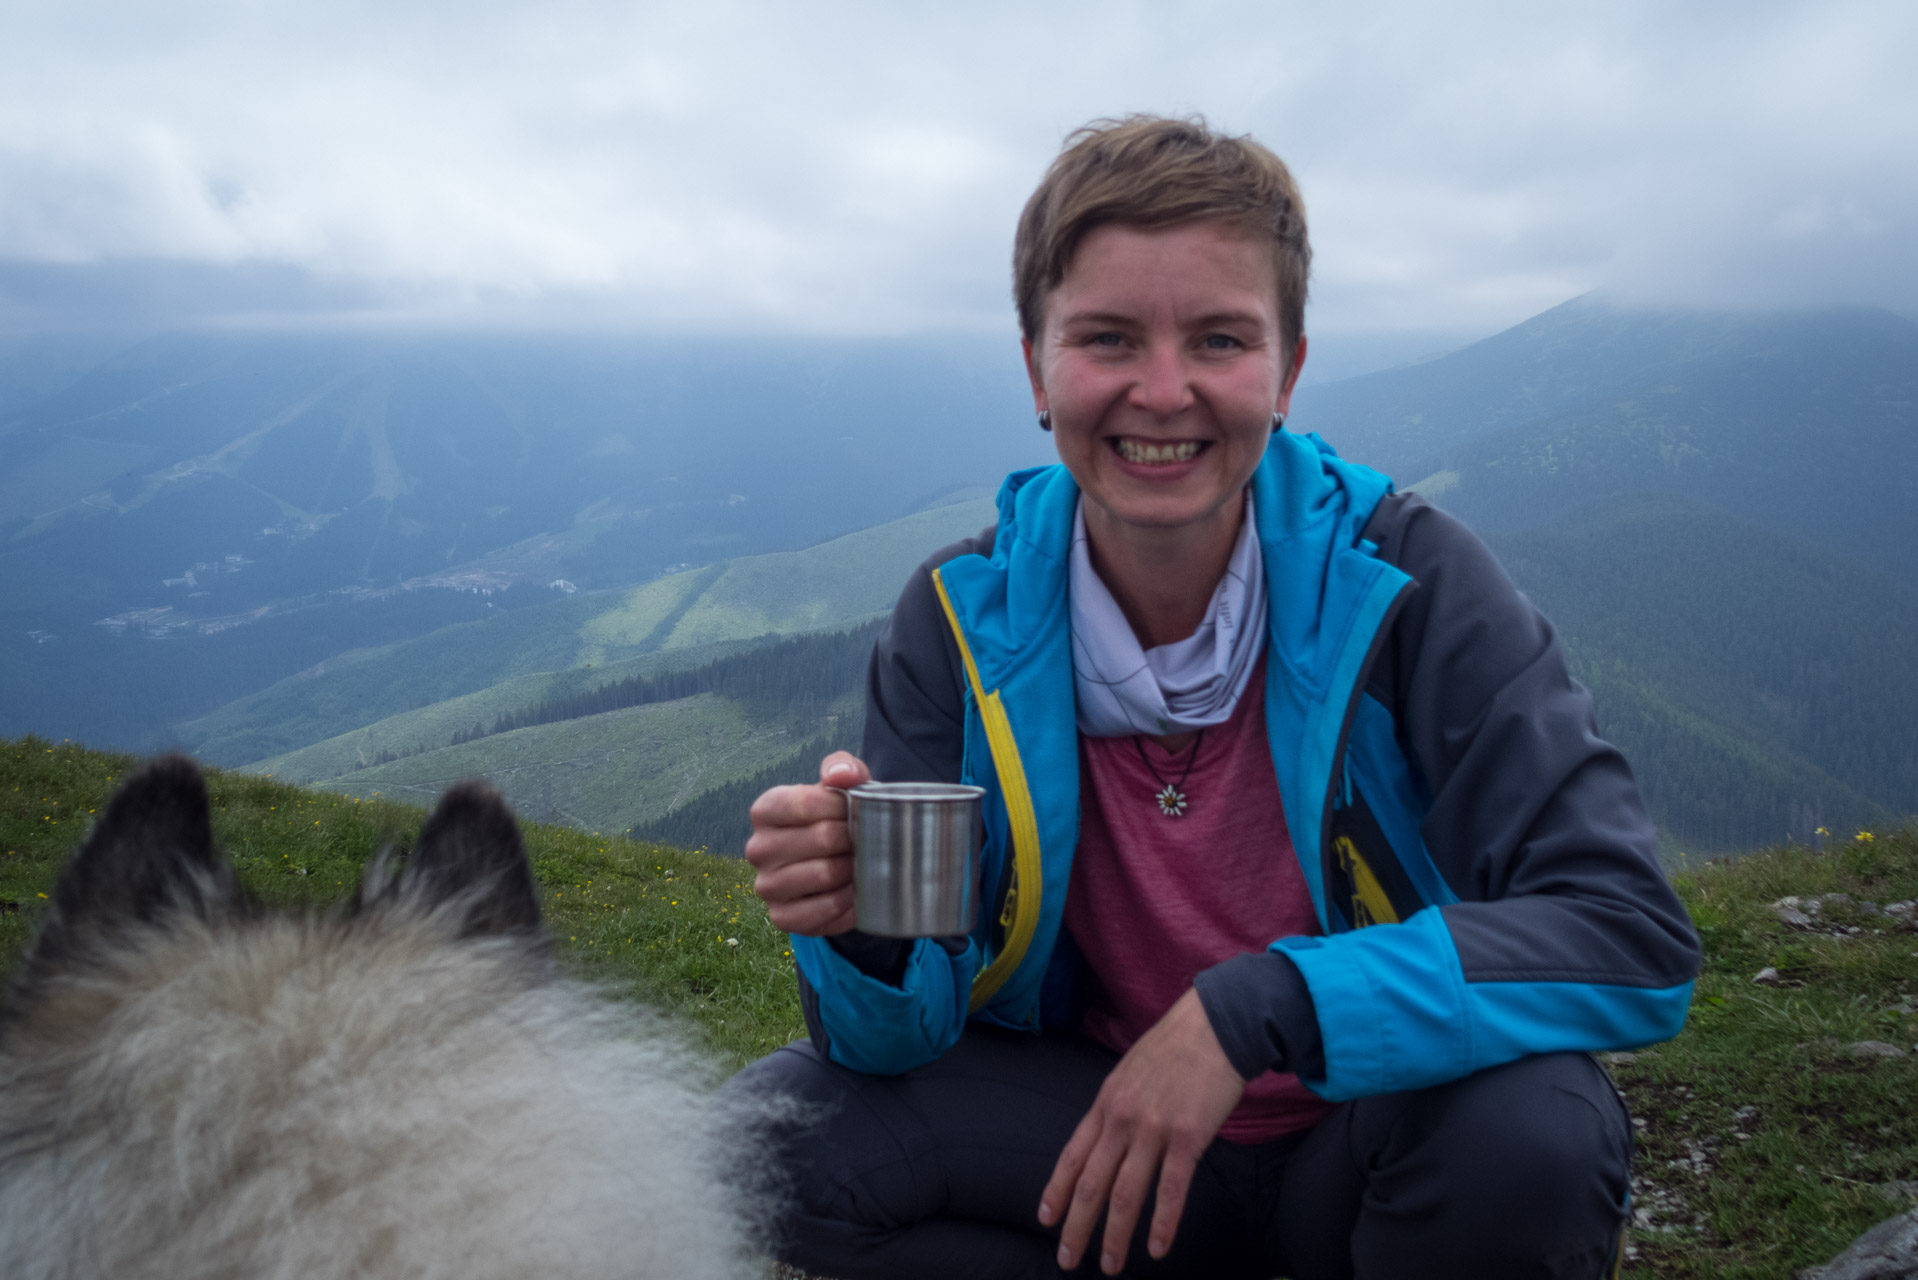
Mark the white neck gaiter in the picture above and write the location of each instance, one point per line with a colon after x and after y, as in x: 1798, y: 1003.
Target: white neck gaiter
x: 1175, y: 688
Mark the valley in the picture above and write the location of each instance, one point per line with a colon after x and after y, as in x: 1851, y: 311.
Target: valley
x: 366, y: 566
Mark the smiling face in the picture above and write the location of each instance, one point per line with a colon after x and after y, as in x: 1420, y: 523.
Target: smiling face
x: 1161, y: 361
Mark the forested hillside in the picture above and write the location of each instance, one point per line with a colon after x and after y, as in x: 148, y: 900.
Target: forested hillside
x: 663, y: 751
x: 1761, y: 687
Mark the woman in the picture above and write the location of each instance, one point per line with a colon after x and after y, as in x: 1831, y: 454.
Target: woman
x: 1312, y: 875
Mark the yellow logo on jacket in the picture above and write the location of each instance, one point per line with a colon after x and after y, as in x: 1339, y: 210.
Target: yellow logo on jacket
x: 1370, y: 905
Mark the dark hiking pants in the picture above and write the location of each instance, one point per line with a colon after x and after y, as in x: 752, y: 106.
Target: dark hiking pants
x: 1518, y: 1171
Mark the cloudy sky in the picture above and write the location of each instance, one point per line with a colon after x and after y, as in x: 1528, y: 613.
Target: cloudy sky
x: 826, y: 167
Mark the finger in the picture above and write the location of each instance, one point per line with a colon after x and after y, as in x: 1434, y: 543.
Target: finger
x: 815, y: 917
x: 843, y: 769
x: 791, y: 881
x: 795, y: 806
x: 1065, y: 1172
x: 771, y: 848
x: 1129, y: 1189
x: 1175, y: 1182
x: 1089, y: 1195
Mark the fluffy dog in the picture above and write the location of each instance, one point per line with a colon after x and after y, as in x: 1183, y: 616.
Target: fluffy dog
x: 191, y: 1085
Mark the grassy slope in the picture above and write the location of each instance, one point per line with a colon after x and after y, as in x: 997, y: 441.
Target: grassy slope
x: 604, y: 773
x: 434, y: 725
x: 836, y: 582
x: 790, y: 591
x: 650, y: 921
x: 364, y: 685
x: 1829, y: 1130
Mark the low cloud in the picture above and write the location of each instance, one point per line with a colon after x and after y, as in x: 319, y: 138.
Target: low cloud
x: 857, y: 168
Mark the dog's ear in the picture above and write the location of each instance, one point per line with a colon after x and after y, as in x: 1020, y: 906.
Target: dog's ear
x: 470, y: 851
x: 152, y: 849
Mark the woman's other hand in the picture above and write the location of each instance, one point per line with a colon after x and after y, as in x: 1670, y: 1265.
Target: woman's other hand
x: 802, y: 851
x: 1155, y: 1116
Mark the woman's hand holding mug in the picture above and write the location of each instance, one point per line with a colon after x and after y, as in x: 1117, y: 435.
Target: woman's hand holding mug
x: 802, y: 850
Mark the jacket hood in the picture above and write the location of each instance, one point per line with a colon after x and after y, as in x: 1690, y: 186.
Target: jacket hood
x: 1309, y: 502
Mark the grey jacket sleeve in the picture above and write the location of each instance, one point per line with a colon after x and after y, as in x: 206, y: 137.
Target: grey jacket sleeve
x: 1534, y: 819
x: 1261, y: 1011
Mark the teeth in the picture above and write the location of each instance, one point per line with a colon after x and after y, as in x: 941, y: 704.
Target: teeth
x: 1140, y: 451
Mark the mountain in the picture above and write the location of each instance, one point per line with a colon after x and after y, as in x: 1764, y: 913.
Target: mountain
x: 1799, y: 422
x: 202, y: 515
x: 1713, y: 509
x: 1716, y: 511
x: 1761, y: 686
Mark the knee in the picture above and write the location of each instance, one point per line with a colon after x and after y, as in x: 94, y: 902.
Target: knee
x: 785, y: 1099
x: 815, y: 1124
x: 1535, y: 1148
x: 794, y: 1072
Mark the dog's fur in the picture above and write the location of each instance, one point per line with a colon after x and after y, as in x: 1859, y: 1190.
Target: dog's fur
x: 193, y: 1086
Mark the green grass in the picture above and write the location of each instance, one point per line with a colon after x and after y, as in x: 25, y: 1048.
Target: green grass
x: 1830, y: 1130
x: 1827, y: 1133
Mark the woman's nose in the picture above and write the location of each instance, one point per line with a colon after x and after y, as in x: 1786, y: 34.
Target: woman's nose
x: 1162, y: 389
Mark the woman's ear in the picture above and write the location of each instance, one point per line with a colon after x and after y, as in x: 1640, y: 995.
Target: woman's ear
x: 1040, y: 405
x: 1291, y: 380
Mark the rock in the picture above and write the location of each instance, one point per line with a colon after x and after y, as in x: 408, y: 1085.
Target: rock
x: 1873, y: 1049
x: 1767, y: 977
x: 1619, y: 1059
x: 1897, y: 1192
x: 1796, y: 912
x: 1889, y: 1251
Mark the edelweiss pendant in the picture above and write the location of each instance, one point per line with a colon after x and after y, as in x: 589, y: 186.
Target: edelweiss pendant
x: 1172, y: 801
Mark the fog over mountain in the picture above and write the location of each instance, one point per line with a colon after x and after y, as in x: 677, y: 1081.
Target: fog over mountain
x: 849, y: 168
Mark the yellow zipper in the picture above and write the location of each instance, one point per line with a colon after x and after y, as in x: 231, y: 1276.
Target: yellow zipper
x: 1022, y: 902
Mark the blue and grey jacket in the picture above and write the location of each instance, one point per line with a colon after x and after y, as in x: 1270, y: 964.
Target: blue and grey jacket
x: 1481, y: 863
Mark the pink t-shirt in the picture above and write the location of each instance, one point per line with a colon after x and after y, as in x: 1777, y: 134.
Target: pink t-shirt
x: 1154, y: 900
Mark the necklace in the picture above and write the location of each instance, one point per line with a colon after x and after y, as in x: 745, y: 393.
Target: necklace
x: 1172, y: 798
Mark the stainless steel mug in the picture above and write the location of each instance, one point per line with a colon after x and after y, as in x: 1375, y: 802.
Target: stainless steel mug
x: 915, y: 859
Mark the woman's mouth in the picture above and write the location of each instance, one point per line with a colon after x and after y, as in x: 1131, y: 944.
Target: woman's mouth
x: 1148, y: 452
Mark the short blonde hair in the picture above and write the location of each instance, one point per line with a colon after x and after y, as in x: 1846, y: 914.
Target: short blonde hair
x: 1154, y: 171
